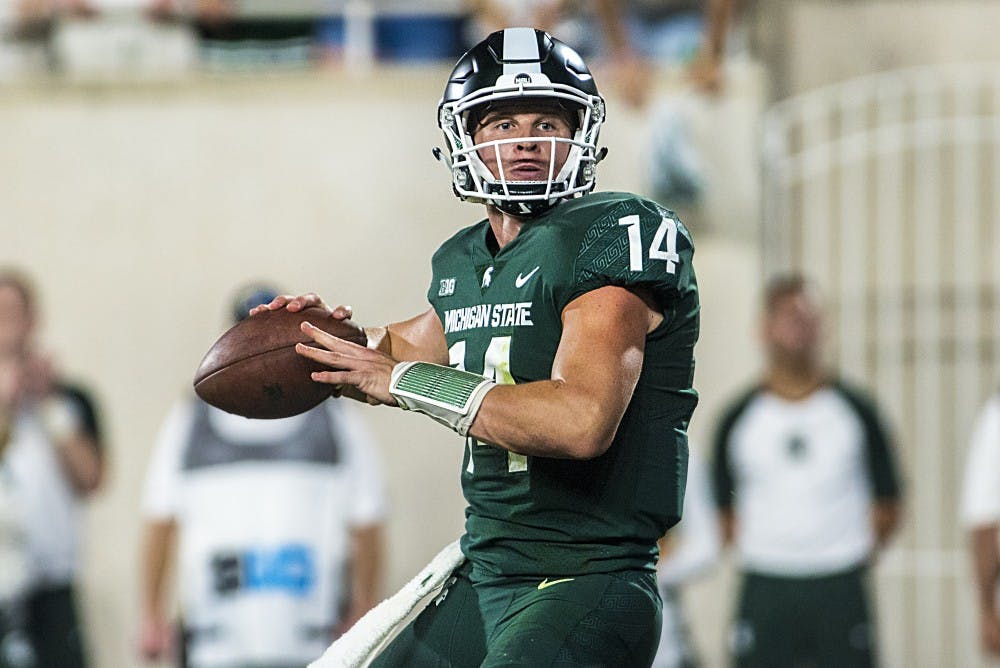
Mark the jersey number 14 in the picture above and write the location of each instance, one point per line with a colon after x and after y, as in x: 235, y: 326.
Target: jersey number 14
x: 664, y: 246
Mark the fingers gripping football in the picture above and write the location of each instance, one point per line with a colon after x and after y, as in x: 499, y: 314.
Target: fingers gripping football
x: 351, y: 364
x: 297, y: 303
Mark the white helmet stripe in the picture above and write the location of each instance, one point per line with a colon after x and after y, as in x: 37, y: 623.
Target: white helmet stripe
x: 520, y: 44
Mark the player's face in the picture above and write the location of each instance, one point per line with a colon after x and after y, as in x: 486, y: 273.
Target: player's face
x: 528, y: 156
x: 793, y: 328
x: 15, y: 321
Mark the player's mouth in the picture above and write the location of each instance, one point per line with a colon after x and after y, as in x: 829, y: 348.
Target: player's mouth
x: 525, y: 170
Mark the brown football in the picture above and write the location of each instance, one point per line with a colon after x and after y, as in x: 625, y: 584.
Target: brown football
x: 254, y: 371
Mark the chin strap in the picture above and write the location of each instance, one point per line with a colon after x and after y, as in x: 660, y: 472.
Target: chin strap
x: 450, y: 396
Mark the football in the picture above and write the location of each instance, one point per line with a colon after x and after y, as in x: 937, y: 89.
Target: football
x: 253, y: 370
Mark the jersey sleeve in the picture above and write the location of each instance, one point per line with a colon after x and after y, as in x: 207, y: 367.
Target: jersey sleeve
x: 723, y: 478
x: 879, y: 451
x: 980, y: 502
x: 160, y: 493
x: 635, y: 243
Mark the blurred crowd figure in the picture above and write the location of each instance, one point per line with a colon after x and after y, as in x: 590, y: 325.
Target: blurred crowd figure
x: 980, y: 513
x: 273, y: 528
x: 689, y: 551
x: 51, y: 458
x: 572, y: 22
x: 808, y: 493
x: 635, y: 36
x: 34, y: 18
x: 641, y: 35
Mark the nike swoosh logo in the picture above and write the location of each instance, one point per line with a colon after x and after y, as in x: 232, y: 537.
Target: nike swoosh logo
x: 521, y: 280
x: 547, y: 583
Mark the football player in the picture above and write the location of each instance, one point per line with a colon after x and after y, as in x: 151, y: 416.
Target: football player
x: 559, y: 342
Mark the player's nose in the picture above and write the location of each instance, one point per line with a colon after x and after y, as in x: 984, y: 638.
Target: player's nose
x: 527, y: 143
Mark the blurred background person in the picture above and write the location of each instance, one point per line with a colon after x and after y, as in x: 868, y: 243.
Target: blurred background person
x: 980, y: 513
x: 807, y: 490
x: 689, y: 551
x: 643, y: 35
x: 15, y: 564
x: 52, y: 459
x: 567, y: 20
x: 275, y: 527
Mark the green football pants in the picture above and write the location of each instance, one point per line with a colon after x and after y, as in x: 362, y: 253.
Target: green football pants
x: 595, y: 620
x: 817, y: 621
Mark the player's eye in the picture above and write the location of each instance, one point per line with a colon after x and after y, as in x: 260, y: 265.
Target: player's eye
x: 551, y: 126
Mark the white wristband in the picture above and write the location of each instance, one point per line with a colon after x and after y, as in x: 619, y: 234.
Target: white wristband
x: 450, y: 396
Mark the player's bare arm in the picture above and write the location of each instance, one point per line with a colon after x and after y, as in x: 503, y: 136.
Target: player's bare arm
x: 419, y: 338
x: 575, y: 414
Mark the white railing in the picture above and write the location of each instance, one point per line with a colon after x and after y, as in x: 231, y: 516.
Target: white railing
x: 886, y: 189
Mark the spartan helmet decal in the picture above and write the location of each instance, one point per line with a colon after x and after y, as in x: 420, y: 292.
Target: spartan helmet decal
x: 520, y: 64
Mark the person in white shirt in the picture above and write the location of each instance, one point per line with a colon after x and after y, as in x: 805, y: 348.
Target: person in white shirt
x: 807, y: 489
x: 277, y: 525
x: 51, y: 458
x: 980, y: 513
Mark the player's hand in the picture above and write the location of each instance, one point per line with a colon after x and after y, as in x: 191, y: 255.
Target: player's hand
x: 156, y: 639
x: 351, y: 365
x: 297, y: 303
x: 989, y: 633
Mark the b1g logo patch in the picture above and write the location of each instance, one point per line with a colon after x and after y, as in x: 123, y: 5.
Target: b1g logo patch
x: 446, y: 287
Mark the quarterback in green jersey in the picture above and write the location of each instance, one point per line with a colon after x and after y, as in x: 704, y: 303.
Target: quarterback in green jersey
x: 560, y: 343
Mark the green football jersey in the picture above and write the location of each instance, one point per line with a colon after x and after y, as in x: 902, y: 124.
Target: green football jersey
x: 537, y: 516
